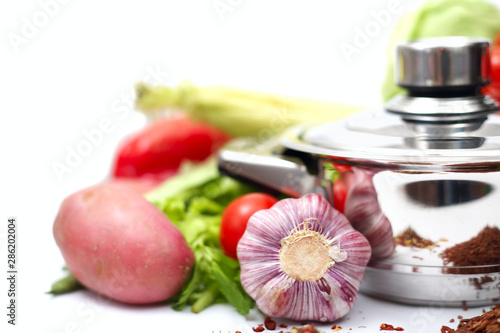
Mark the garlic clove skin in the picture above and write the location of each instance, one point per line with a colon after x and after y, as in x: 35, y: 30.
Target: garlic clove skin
x: 301, y: 259
x: 363, y: 211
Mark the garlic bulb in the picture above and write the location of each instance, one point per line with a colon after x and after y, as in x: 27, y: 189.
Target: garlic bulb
x: 364, y: 213
x: 301, y: 259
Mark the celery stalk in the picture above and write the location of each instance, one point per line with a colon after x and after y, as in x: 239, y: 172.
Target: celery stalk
x: 194, y: 201
x: 239, y: 112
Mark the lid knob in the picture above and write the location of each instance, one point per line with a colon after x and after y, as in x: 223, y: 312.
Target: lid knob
x: 443, y: 63
x: 443, y: 78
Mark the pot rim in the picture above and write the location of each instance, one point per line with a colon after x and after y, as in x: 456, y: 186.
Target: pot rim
x: 355, y: 140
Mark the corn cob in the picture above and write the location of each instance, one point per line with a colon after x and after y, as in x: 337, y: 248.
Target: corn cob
x: 238, y: 112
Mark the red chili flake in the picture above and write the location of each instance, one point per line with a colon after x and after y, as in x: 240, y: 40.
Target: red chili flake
x: 452, y: 320
x: 478, y: 283
x: 487, y: 322
x: 284, y: 325
x: 334, y: 327
x: 308, y: 329
x: 386, y: 327
x: 258, y: 329
x: 269, y: 323
x: 460, y: 317
x: 399, y: 329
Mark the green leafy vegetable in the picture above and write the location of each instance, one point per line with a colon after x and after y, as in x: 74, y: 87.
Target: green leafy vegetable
x: 194, y: 201
x: 435, y: 18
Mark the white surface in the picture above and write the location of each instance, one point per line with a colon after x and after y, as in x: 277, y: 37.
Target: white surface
x: 78, y: 69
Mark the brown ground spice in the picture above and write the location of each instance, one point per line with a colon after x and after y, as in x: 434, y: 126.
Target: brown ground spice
x: 484, y: 249
x: 488, y: 322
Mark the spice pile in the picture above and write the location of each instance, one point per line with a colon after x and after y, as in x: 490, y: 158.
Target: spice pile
x: 270, y: 324
x: 488, y: 322
x: 410, y: 238
x: 484, y: 249
x: 481, y: 250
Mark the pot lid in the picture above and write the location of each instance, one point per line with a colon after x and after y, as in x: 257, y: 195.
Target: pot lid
x: 443, y: 122
x: 377, y: 137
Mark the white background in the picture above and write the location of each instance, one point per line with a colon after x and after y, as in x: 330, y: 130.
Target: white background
x: 81, y: 64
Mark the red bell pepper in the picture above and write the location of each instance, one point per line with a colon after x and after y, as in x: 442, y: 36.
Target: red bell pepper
x: 158, y: 149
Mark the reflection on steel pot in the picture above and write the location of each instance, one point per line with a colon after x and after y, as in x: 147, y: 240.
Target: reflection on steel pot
x: 363, y: 211
x: 427, y: 165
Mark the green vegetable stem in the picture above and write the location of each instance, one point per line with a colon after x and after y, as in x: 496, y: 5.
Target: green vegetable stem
x: 65, y: 285
x: 194, y: 201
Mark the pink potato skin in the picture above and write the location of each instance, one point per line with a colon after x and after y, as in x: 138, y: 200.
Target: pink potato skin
x: 118, y: 244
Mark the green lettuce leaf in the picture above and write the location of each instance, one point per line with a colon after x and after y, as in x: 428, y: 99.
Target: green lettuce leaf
x: 436, y: 18
x: 194, y: 201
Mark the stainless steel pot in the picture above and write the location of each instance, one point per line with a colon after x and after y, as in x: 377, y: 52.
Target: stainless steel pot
x: 433, y: 156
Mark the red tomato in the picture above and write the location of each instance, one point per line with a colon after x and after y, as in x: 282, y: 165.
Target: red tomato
x: 235, y: 218
x: 495, y: 64
x: 341, y: 167
x: 493, y: 89
x: 340, y: 188
x: 159, y: 149
x: 339, y: 196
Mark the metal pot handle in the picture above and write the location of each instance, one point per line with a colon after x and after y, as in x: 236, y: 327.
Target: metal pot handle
x: 265, y: 165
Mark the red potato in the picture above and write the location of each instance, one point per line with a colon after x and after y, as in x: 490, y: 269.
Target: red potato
x: 141, y: 185
x: 120, y: 245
